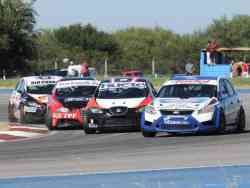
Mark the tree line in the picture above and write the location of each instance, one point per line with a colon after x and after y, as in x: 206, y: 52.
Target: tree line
x: 24, y: 48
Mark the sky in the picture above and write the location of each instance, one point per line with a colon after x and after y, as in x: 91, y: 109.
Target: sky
x: 181, y: 16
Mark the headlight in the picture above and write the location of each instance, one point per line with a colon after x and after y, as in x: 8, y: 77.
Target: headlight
x: 150, y: 110
x: 64, y: 110
x: 32, y: 104
x: 209, y: 108
x: 206, y: 109
x: 96, y: 111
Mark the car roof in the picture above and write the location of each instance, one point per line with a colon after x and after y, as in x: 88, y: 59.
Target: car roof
x: 77, y: 78
x: 124, y: 79
x: 184, y: 79
x: 42, y: 77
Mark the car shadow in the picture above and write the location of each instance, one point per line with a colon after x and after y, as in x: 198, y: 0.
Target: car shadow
x: 169, y: 135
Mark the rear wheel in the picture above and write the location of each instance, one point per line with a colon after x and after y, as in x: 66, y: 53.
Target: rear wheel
x: 148, y: 134
x: 86, y: 128
x: 23, y: 116
x: 241, y: 120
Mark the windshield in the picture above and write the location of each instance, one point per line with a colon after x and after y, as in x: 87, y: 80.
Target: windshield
x: 76, y: 91
x: 188, y: 91
x: 40, y: 89
x: 122, y: 90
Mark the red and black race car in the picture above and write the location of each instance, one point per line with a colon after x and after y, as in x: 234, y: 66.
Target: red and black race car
x: 70, y: 96
x: 118, y: 104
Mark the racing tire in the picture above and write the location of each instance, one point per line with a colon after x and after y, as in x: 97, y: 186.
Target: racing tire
x: 89, y: 131
x: 24, y: 118
x: 222, y: 127
x: 241, y: 120
x: 48, y: 120
x: 11, y: 116
x: 148, y: 134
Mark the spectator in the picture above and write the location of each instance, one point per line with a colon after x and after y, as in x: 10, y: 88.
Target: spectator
x: 85, y: 70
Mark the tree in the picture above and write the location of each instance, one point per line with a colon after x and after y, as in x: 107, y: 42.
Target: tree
x: 17, y: 47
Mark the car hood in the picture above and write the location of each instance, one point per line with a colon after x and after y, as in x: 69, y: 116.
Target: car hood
x: 181, y: 104
x: 129, y: 103
x: 40, y: 98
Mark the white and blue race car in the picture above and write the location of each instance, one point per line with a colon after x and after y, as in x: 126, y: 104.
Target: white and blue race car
x: 191, y: 104
x: 28, y: 101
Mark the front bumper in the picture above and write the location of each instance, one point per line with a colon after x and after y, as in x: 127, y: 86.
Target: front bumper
x: 188, y: 124
x: 37, y: 112
x: 67, y: 119
x: 130, y: 120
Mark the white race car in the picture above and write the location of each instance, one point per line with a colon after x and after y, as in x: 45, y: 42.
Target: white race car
x: 118, y: 104
x: 190, y: 104
x: 28, y: 101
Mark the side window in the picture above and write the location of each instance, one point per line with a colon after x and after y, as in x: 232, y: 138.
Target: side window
x: 230, y: 88
x: 223, y: 89
x: 20, y: 88
x: 17, y: 85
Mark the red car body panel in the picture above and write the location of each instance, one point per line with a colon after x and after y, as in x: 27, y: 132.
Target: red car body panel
x: 72, y: 115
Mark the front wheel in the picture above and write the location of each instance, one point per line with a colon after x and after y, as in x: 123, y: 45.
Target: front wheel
x: 11, y: 115
x: 23, y: 115
x: 222, y: 125
x: 148, y: 134
x: 89, y: 131
x: 48, y: 120
x: 241, y: 120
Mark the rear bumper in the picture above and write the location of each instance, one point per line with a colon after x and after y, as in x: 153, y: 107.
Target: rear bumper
x: 191, y: 125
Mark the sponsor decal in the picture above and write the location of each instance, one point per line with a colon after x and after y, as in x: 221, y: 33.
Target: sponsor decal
x: 124, y: 85
x: 65, y: 115
x: 76, y: 83
x: 76, y: 99
x: 41, y: 82
x: 210, y: 82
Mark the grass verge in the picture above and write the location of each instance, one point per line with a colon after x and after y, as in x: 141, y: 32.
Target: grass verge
x: 157, y: 82
x: 10, y: 83
x: 4, y: 126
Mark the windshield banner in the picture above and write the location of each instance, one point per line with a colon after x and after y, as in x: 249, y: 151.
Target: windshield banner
x: 208, y: 82
x: 77, y: 83
x: 41, y: 82
x: 123, y: 85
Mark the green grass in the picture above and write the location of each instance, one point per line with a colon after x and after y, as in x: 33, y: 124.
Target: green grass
x: 238, y: 82
x: 10, y: 83
x: 241, y: 82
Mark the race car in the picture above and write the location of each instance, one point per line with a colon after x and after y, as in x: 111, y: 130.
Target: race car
x: 117, y: 104
x: 191, y: 104
x: 29, y: 99
x: 70, y: 96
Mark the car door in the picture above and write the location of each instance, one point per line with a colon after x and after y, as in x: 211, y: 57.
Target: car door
x: 225, y: 101
x: 234, y: 101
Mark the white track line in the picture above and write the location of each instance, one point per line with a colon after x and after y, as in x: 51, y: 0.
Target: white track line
x: 26, y: 127
x: 20, y: 133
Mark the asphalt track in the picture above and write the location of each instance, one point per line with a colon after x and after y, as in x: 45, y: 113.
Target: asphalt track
x: 72, y: 152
